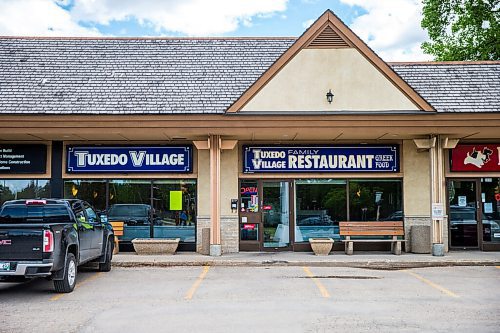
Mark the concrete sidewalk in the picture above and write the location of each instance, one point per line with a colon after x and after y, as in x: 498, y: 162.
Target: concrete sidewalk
x: 375, y: 260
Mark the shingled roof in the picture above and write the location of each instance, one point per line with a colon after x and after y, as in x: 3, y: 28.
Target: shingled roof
x: 130, y: 76
x: 165, y: 76
x: 455, y: 86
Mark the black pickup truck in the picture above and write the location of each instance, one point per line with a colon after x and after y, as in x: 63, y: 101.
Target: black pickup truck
x: 50, y: 238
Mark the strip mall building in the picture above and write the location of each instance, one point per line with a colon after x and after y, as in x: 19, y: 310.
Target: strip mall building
x: 266, y: 141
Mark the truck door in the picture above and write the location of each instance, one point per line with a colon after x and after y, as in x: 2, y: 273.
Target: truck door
x: 84, y: 232
x: 97, y: 231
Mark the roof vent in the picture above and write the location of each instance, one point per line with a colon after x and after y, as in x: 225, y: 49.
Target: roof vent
x: 328, y: 39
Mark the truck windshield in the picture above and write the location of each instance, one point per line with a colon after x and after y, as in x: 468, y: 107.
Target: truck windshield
x: 128, y: 210
x: 14, y: 214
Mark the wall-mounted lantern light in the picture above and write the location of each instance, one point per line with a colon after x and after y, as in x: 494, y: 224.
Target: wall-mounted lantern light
x: 329, y: 96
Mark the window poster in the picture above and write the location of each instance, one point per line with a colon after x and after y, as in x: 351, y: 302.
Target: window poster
x: 175, y: 200
x: 488, y: 208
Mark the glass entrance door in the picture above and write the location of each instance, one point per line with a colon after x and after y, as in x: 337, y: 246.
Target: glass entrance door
x: 490, y: 218
x: 463, y: 213
x: 276, y: 214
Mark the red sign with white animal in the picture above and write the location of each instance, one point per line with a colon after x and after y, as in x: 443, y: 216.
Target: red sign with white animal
x: 474, y: 158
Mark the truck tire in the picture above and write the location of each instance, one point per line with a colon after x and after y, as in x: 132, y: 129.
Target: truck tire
x: 67, y: 284
x: 106, y: 265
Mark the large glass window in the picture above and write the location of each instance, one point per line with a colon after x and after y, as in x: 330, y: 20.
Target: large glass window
x: 490, y: 197
x: 320, y: 205
x: 92, y: 191
x: 375, y: 200
x: 161, y: 208
x: 135, y: 196
x: 11, y: 189
x: 174, y: 203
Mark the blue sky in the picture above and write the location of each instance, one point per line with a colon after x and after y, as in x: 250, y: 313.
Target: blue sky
x: 287, y: 23
x: 390, y: 27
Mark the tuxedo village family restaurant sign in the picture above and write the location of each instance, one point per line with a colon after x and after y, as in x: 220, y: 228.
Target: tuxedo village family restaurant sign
x: 129, y: 159
x: 321, y: 159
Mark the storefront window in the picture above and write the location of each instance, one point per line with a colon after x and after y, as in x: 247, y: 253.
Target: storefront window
x: 375, y: 200
x: 320, y: 205
x: 160, y: 208
x: 490, y: 197
x: 174, y: 203
x: 130, y: 202
x: 92, y: 191
x: 23, y: 189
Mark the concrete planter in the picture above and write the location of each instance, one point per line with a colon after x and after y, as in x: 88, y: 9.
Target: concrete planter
x: 155, y: 246
x: 321, y: 246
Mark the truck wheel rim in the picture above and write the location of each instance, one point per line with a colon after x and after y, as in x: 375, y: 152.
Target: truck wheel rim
x: 71, y: 272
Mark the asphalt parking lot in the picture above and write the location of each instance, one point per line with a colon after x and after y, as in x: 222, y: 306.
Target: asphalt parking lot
x: 260, y: 299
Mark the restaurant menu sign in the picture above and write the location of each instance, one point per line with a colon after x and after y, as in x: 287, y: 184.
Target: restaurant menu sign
x: 474, y: 158
x: 129, y: 159
x: 23, y: 159
x: 362, y: 158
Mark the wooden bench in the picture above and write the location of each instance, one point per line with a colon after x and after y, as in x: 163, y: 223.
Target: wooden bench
x: 118, y: 231
x: 375, y: 228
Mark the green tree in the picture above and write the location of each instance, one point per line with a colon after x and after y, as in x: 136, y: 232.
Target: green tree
x: 462, y: 29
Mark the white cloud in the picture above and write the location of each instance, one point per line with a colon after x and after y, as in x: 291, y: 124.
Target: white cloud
x: 191, y: 17
x: 308, y: 23
x: 391, y: 28
x: 38, y: 18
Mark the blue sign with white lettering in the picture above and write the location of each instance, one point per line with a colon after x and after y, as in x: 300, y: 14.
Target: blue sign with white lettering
x: 129, y: 159
x: 321, y: 159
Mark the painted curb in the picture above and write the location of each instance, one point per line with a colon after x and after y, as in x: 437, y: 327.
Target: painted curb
x: 386, y: 265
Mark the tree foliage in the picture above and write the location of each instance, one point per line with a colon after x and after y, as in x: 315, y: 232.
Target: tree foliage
x: 462, y: 29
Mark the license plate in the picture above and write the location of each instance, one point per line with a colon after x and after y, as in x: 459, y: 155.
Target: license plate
x: 4, y: 266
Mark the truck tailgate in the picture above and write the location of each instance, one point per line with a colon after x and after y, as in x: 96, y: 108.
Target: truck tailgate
x: 18, y: 242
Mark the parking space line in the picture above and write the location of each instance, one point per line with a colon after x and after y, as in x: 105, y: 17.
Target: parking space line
x: 322, y: 289
x: 197, y: 283
x: 79, y: 284
x: 497, y: 267
x: 432, y: 284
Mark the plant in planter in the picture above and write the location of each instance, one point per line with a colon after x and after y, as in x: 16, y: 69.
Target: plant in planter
x: 155, y: 245
x: 321, y: 246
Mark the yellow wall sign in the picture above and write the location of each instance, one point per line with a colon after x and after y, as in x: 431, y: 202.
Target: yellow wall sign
x: 175, y: 200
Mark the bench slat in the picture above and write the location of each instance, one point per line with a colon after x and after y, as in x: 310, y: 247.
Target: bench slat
x: 372, y: 228
x: 372, y: 224
x: 117, y: 228
x: 373, y: 240
x: 372, y: 232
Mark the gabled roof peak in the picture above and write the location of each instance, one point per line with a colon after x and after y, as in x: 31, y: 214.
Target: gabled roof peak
x: 328, y: 31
